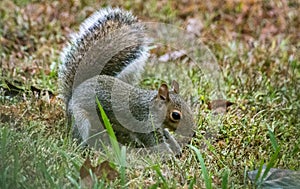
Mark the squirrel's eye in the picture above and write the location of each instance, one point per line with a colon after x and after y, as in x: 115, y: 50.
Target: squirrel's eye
x: 175, y: 115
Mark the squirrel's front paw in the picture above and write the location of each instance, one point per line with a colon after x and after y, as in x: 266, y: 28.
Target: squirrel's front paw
x: 172, y: 143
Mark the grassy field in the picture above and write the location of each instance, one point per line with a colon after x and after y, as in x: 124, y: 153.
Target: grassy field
x: 256, y: 45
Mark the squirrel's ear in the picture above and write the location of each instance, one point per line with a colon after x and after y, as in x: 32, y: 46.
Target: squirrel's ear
x: 175, y: 87
x: 163, y: 92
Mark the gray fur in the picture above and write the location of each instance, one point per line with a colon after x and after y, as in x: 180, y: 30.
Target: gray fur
x: 102, y: 60
x: 96, y: 32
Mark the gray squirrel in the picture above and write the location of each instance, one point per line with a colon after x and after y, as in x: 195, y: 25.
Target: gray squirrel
x: 103, y: 60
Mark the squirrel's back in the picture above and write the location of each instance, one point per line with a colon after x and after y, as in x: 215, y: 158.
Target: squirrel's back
x: 110, y: 42
x: 101, y: 62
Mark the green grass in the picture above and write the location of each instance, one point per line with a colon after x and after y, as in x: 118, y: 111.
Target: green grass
x: 206, y: 176
x: 256, y: 47
x: 118, y: 151
x: 26, y: 163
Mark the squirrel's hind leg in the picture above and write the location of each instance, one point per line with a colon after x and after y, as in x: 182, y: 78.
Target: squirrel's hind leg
x: 89, y: 128
x: 86, y: 119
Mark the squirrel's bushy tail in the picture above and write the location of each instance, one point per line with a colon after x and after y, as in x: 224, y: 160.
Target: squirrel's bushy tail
x: 110, y: 42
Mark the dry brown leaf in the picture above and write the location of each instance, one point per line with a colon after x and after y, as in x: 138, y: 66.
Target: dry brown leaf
x: 171, y: 56
x: 104, y: 170
x: 35, y: 11
x: 84, y: 170
x: 219, y: 106
x: 194, y: 26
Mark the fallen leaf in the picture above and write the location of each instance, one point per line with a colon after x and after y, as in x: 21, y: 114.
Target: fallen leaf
x: 219, y: 106
x: 104, y: 170
x: 84, y: 170
x: 12, y: 89
x: 276, y: 178
x: 194, y: 26
x: 85, y: 176
x: 171, y: 56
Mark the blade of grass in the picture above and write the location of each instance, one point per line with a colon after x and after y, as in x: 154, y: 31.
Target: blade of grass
x: 273, y: 139
x: 271, y: 163
x: 3, y: 148
x: 193, y: 181
x: 157, y: 170
x: 120, y: 153
x: 225, y: 179
x: 261, y: 165
x: 205, y: 174
x: 122, y: 169
x: 110, y: 131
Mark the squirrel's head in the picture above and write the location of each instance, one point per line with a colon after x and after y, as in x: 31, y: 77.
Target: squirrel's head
x: 178, y: 117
